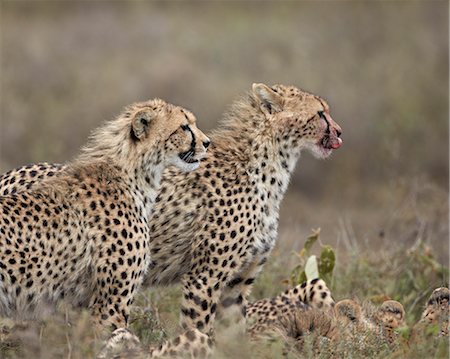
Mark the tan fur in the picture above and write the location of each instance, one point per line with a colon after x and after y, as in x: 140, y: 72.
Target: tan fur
x: 390, y: 316
x: 83, y: 235
x: 214, y: 229
x: 265, y: 312
x: 434, y: 316
x: 294, y: 319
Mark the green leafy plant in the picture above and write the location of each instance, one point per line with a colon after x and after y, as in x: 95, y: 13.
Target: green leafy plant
x: 310, y: 266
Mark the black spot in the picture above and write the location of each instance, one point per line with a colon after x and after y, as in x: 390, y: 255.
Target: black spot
x: 190, y: 335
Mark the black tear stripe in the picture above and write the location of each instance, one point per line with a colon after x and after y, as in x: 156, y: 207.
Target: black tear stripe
x: 187, y: 128
x: 322, y: 116
x: 193, y: 138
x: 187, y: 156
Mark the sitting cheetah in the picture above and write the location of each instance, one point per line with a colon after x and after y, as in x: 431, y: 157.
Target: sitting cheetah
x: 347, y: 322
x: 436, y: 313
x: 265, y: 312
x: 295, y: 317
x: 214, y: 229
x: 83, y: 235
x: 390, y: 316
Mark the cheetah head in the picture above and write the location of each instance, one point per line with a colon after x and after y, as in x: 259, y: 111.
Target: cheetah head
x: 348, y: 311
x: 299, y: 118
x: 440, y: 297
x: 391, y: 313
x: 182, y: 143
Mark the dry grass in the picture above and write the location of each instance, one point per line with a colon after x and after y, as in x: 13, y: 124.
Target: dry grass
x: 405, y: 275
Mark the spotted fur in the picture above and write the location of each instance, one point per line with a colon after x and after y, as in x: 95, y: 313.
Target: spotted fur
x: 266, y: 312
x: 81, y: 233
x: 390, y: 316
x: 214, y: 229
x: 346, y: 321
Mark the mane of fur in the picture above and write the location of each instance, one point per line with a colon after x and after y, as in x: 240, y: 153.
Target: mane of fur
x: 109, y: 143
x: 110, y: 156
x: 113, y: 143
x: 240, y: 129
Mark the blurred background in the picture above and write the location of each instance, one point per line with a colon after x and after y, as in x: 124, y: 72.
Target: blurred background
x: 382, y: 66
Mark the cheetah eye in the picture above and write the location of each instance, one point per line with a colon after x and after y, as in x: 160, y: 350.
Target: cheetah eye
x: 185, y: 127
x: 321, y: 115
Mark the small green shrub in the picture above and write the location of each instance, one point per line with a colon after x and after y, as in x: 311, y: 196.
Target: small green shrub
x: 311, y: 267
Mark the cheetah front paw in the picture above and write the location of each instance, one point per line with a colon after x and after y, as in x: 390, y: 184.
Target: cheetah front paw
x: 122, y: 343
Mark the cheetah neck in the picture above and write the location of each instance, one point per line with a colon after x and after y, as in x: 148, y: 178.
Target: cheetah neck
x: 273, y: 174
x: 141, y: 173
x: 146, y: 181
x: 111, y: 143
x: 246, y: 144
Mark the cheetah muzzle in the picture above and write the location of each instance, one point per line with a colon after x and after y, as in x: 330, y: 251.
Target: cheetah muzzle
x: 190, y: 160
x: 331, y: 139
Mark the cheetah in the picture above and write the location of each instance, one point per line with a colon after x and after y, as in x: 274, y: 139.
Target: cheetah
x: 83, y: 235
x: 347, y: 322
x: 434, y: 316
x: 295, y: 317
x: 213, y: 229
x: 265, y: 312
x: 390, y: 316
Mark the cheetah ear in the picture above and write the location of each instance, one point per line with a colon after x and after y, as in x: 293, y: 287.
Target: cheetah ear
x: 268, y: 97
x: 141, y: 123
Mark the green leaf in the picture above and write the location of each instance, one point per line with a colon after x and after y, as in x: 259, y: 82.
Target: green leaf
x: 301, y: 278
x: 326, y: 263
x: 313, y: 237
x: 311, y: 269
x: 295, y: 273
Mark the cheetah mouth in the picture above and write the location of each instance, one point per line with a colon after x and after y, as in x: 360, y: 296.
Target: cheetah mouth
x: 330, y: 143
x: 188, y: 157
x: 331, y: 139
x: 325, y: 146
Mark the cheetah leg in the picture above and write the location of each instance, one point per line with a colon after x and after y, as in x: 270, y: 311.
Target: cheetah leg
x: 313, y: 293
x: 233, y: 301
x: 263, y: 313
x: 110, y: 309
x: 200, y: 297
x: 198, y: 310
x: 122, y: 342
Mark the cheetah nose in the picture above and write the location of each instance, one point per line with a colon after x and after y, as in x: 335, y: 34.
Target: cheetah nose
x: 206, y: 144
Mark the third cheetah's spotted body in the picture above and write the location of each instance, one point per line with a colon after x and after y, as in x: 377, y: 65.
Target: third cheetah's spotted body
x: 265, y: 313
x: 296, y: 318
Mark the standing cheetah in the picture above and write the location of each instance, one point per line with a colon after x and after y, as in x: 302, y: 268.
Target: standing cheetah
x: 214, y: 229
x: 83, y: 235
